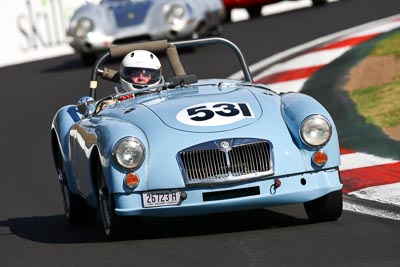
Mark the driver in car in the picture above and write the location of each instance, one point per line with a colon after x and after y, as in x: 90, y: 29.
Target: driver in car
x: 139, y: 69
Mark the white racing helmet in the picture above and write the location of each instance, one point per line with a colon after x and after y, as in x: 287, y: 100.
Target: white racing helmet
x: 139, y: 69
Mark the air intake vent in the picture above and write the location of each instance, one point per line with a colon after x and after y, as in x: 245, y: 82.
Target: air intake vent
x: 226, y: 161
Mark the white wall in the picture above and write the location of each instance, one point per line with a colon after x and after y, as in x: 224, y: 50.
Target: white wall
x: 34, y: 29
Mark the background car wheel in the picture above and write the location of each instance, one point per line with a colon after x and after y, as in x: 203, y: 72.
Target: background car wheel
x: 88, y: 59
x: 113, y: 224
x: 75, y: 208
x: 319, y: 2
x: 215, y: 31
x: 201, y: 31
x: 228, y: 16
x: 254, y: 12
x: 326, y: 208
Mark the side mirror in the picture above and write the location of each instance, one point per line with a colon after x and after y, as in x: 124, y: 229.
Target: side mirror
x: 86, y: 106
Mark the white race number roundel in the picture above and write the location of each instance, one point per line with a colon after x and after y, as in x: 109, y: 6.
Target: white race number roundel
x: 214, y: 113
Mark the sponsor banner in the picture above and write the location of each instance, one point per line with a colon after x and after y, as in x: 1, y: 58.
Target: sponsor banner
x: 34, y: 29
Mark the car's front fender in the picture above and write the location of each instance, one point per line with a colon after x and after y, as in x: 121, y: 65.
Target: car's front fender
x: 295, y: 108
x: 62, y: 122
x: 108, y: 132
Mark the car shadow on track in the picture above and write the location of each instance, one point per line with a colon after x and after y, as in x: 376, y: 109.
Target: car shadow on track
x: 51, y: 229
x: 56, y: 230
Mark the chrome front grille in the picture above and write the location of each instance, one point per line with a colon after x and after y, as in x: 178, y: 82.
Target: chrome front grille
x: 212, y: 163
x: 252, y: 158
x: 203, y: 164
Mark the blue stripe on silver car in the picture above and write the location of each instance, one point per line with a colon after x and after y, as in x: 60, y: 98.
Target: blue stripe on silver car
x: 130, y: 14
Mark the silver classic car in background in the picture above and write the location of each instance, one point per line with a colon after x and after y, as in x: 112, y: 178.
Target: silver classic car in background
x: 95, y: 27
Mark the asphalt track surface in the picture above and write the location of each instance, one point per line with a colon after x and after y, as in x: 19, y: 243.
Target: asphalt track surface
x: 33, y: 231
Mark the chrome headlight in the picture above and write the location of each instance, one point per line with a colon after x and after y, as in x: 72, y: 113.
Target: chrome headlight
x: 83, y: 27
x: 175, y: 14
x: 129, y: 152
x: 315, y: 130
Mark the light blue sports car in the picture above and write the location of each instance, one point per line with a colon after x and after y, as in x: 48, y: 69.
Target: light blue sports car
x: 190, y: 147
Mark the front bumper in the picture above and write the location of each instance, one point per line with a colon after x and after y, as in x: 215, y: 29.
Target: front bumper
x: 95, y: 42
x: 294, y: 189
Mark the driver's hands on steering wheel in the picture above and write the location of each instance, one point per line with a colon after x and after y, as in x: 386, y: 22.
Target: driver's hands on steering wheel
x: 105, y: 104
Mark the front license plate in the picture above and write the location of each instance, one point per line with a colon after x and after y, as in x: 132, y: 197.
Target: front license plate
x: 161, y: 198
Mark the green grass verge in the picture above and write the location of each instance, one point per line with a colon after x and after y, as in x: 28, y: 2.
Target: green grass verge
x: 388, y: 46
x: 380, y: 105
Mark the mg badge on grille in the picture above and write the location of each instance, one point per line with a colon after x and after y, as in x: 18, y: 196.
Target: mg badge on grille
x: 225, y: 146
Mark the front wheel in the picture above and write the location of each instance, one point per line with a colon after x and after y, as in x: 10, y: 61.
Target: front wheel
x: 325, y: 208
x: 228, y: 16
x: 201, y: 31
x: 254, y: 12
x: 113, y: 224
x: 76, y: 210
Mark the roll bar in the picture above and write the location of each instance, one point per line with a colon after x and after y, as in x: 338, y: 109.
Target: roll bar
x: 170, y: 49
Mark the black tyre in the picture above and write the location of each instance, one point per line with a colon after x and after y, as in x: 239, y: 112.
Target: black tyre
x: 319, y: 2
x: 201, y: 31
x: 88, y: 59
x: 76, y: 210
x: 326, y: 208
x: 254, y: 12
x: 112, y: 223
x: 215, y: 31
x: 228, y: 16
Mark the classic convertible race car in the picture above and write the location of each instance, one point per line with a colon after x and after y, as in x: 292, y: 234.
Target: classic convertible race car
x: 189, y: 147
x: 96, y: 27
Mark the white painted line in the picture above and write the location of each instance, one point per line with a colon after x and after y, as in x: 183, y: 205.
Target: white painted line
x: 290, y: 86
x: 313, y: 59
x: 388, y: 194
x: 371, y: 211
x: 379, y: 29
x: 361, y: 160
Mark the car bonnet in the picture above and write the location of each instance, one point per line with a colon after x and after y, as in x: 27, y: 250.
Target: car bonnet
x: 206, y: 108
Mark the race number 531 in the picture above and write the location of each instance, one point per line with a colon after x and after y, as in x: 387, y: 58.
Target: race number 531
x: 214, y: 113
